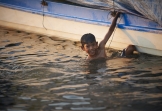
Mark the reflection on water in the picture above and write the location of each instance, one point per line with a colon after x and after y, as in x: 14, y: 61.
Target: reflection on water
x: 46, y: 73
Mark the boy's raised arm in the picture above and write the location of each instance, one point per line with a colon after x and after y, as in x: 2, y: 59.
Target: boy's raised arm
x: 109, y: 33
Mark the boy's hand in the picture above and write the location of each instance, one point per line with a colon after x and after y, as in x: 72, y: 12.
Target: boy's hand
x: 114, y: 13
x: 118, y: 14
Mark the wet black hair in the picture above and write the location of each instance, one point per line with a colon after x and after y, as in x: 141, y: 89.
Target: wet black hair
x: 87, y: 38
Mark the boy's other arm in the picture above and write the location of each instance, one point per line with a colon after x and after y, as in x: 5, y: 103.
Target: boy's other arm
x: 109, y: 33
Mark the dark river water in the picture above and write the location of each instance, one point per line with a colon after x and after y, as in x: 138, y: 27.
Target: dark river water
x: 41, y: 73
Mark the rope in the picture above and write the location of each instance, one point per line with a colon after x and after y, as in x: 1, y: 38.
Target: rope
x: 115, y: 27
x: 43, y: 17
x: 113, y: 34
x: 113, y: 6
x: 108, y: 16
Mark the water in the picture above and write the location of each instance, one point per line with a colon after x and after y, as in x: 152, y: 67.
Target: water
x: 41, y: 73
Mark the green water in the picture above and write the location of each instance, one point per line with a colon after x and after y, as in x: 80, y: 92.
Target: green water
x: 41, y: 73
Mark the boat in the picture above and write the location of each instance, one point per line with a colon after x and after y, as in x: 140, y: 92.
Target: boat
x: 71, y: 21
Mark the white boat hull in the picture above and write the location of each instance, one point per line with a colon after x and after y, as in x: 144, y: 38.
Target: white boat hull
x: 146, y: 42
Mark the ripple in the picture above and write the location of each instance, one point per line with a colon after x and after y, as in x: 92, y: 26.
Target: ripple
x: 75, y: 97
x: 13, y: 44
x: 20, y: 105
x: 80, y: 103
x: 87, y: 108
x: 58, y: 108
x: 16, y: 110
x: 25, y: 98
x: 59, y: 104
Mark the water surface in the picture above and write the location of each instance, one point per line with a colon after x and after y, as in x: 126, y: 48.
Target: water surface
x: 41, y: 73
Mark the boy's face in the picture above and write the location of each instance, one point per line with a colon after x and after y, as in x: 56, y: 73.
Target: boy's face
x: 90, y: 48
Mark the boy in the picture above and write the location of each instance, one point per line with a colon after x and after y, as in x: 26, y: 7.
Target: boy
x: 95, y: 51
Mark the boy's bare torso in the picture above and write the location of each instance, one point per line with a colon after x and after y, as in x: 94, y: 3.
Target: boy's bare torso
x: 100, y: 54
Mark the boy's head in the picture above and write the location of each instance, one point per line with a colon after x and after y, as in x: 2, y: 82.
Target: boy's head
x: 89, y: 43
x: 87, y: 38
